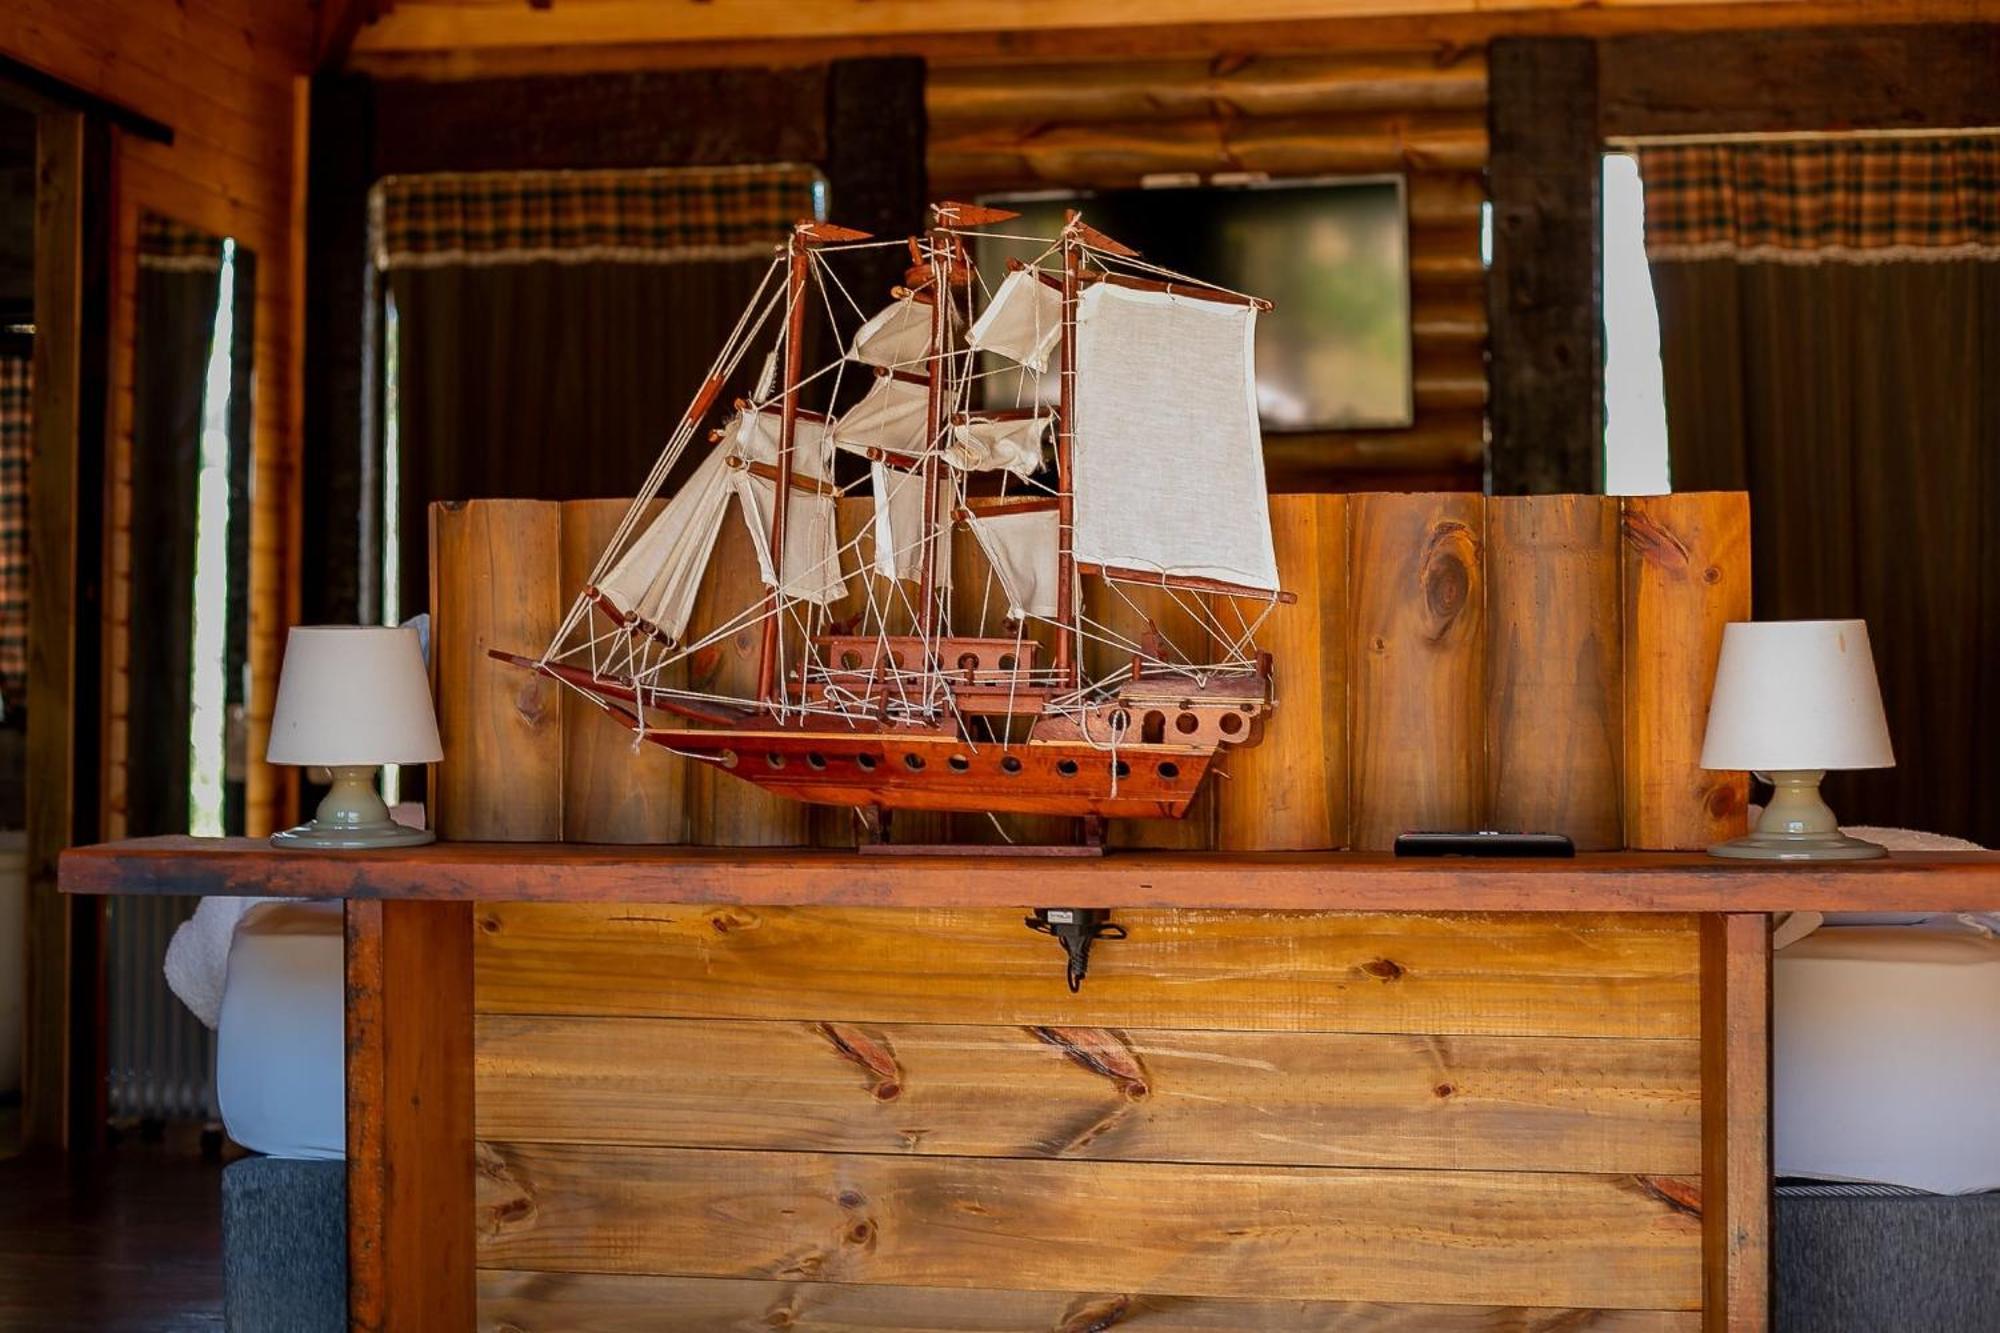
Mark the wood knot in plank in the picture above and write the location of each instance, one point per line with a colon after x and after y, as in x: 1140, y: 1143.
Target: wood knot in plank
x: 875, y: 1056
x: 1444, y: 1090
x: 1101, y: 1051
x: 1095, y: 1315
x: 728, y: 920
x: 1723, y: 801
x: 1681, y: 1196
x: 1656, y: 545
x: 1383, y: 969
x: 1445, y: 573
x: 531, y: 701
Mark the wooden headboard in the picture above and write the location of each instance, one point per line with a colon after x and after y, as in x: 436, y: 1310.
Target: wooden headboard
x: 1453, y: 661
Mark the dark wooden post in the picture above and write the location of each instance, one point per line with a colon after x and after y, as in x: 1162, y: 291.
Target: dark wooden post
x: 1544, y: 294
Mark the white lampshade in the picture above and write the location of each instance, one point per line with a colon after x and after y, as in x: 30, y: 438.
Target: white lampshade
x: 1796, y: 695
x: 353, y: 694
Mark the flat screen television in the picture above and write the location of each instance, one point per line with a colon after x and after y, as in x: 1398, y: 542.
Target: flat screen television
x: 1332, y: 255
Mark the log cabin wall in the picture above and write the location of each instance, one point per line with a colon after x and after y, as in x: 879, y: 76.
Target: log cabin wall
x: 1418, y: 112
x: 874, y: 1118
x: 222, y: 78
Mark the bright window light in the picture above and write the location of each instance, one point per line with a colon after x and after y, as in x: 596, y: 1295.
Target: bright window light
x: 392, y: 509
x: 1635, y: 399
x: 208, y: 719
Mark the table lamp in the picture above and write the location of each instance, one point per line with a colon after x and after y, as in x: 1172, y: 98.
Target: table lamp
x: 1794, y: 698
x: 352, y: 698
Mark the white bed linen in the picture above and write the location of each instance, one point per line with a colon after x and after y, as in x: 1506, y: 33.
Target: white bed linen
x: 281, y: 1044
x: 1886, y: 1056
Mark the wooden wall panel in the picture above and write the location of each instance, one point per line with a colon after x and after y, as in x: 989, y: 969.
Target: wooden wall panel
x: 495, y: 585
x: 1298, y: 1233
x: 1417, y: 700
x: 1686, y: 564
x: 527, y: 1302
x: 1288, y: 792
x: 1275, y: 1098
x: 220, y: 75
x: 612, y: 790
x: 1554, y: 701
x: 1276, y: 971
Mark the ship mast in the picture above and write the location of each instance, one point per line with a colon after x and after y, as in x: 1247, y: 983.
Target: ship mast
x: 797, y: 261
x: 1066, y: 665
x: 940, y: 282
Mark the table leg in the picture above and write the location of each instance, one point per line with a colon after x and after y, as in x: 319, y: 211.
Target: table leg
x: 1736, y: 1121
x: 409, y: 1117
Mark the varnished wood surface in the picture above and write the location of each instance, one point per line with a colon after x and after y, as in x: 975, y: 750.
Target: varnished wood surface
x: 1300, y: 1233
x: 527, y: 1302
x: 409, y: 1117
x: 1140, y: 1094
x: 1570, y: 975
x: 1332, y: 881
x: 1736, y: 1123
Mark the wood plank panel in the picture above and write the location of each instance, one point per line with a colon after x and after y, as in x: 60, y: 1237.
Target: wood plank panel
x: 1272, y: 1098
x: 725, y: 811
x: 1288, y: 792
x: 524, y: 1302
x: 1686, y: 575
x: 494, y: 584
x: 1416, y: 710
x: 612, y: 790
x: 1555, y: 675
x: 1268, y: 84
x: 1295, y: 1233
x: 55, y: 696
x: 409, y: 1117
x: 1736, y: 1122
x: 1556, y: 975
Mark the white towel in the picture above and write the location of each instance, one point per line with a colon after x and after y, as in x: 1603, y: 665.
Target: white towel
x: 198, y: 955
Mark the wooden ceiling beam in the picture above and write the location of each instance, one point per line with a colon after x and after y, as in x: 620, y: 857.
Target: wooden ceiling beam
x: 454, y: 39
x: 336, y: 24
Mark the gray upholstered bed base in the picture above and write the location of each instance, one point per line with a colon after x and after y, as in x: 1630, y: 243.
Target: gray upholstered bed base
x: 284, y: 1246
x: 1860, y: 1258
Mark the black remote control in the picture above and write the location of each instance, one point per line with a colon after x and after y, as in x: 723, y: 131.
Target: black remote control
x: 1484, y: 843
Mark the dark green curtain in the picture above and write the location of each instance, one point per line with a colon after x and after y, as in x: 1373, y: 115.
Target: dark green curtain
x: 545, y: 380
x: 1859, y: 405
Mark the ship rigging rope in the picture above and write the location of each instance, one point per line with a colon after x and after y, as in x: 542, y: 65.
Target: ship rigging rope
x: 642, y: 659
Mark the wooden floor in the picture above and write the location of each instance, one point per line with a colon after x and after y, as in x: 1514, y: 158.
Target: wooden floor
x: 128, y: 1242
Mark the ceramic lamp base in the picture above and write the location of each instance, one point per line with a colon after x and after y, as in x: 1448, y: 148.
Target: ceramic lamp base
x: 1798, y: 826
x: 352, y: 818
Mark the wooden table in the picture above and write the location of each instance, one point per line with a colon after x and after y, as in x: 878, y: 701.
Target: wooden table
x: 413, y: 917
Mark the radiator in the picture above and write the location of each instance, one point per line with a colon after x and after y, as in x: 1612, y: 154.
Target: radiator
x: 161, y: 1059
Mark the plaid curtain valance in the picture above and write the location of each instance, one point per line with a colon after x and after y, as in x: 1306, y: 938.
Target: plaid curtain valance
x: 175, y: 246
x: 1863, y: 200
x: 575, y: 217
x: 15, y: 428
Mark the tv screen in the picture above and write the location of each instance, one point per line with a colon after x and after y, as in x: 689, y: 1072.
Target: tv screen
x: 1332, y: 256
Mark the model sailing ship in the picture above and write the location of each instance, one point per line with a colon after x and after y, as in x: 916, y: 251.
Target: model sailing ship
x: 1156, y: 481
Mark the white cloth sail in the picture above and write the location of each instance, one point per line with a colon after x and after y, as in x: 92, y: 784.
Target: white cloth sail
x: 1022, y: 322
x: 1022, y: 551
x: 892, y: 415
x: 812, y: 548
x: 899, y: 527
x: 1169, y: 463
x: 656, y: 579
x: 984, y: 444
x: 756, y: 433
x: 899, y: 335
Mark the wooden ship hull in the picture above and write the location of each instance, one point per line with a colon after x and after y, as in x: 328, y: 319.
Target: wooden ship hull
x: 1140, y: 753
